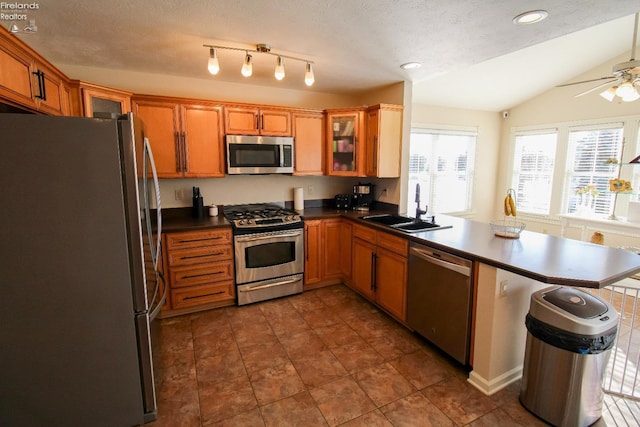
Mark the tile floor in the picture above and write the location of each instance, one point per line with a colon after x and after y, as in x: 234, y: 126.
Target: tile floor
x: 322, y: 358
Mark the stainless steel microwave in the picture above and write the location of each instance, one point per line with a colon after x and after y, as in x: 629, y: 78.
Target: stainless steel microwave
x: 248, y: 154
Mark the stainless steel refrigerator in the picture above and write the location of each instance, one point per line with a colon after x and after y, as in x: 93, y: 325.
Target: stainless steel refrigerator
x: 80, y: 276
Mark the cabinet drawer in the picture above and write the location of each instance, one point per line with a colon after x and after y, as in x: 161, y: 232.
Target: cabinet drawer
x: 393, y: 243
x: 195, y: 239
x: 198, y: 295
x: 200, y: 255
x: 364, y: 233
x: 198, y: 275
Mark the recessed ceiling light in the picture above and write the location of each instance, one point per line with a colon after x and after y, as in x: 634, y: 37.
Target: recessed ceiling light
x: 530, y: 17
x: 411, y: 65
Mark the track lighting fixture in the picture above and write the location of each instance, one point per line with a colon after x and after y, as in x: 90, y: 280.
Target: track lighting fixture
x: 247, y: 68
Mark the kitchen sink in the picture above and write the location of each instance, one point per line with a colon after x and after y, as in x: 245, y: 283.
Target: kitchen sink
x: 403, y: 223
x: 418, y: 226
x: 388, y: 219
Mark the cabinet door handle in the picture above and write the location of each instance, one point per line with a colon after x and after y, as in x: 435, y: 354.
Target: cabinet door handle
x: 176, y: 137
x: 373, y: 271
x: 185, y: 153
x: 262, y: 121
x: 257, y: 122
x: 375, y: 153
x: 41, y: 87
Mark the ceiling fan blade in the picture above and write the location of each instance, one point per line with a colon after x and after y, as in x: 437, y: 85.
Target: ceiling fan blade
x: 588, y: 81
x: 596, y: 88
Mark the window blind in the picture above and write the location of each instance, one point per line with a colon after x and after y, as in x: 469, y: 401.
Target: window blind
x: 534, y: 159
x: 588, y: 172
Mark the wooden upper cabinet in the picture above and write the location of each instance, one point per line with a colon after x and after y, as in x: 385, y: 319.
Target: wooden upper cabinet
x: 344, y: 142
x: 92, y: 99
x: 308, y: 131
x: 161, y: 124
x: 257, y: 121
x: 28, y: 81
x: 384, y: 141
x: 186, y: 138
x: 202, y: 140
x: 15, y: 74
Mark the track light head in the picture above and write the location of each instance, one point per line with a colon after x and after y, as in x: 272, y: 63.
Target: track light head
x: 247, y: 68
x: 279, y: 73
x: 213, y: 65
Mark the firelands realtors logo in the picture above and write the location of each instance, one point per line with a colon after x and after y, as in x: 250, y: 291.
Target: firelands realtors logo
x: 18, y: 16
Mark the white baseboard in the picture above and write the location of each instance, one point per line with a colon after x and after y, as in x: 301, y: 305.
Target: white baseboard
x: 490, y: 387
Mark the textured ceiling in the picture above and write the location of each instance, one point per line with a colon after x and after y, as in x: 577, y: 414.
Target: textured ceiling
x: 356, y: 45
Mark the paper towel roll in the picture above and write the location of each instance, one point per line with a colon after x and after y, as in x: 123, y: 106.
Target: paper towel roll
x: 298, y: 199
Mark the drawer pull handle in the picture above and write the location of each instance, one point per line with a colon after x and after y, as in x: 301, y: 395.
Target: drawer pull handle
x: 201, y: 256
x: 205, y: 295
x: 190, y: 276
x: 199, y: 240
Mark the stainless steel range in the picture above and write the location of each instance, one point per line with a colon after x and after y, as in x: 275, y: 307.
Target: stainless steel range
x: 269, y: 251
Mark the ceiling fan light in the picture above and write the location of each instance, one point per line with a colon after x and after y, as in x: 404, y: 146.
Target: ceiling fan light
x: 213, y: 65
x: 279, y: 73
x: 309, y: 78
x: 631, y: 97
x: 609, y: 94
x: 625, y: 89
x: 247, y: 68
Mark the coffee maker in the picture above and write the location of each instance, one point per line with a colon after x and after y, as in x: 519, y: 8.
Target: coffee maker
x: 363, y: 196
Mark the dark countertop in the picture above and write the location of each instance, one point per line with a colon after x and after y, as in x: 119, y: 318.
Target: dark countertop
x: 545, y: 258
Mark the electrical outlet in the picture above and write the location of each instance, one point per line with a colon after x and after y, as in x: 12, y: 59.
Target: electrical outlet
x: 181, y: 194
x: 310, y: 189
x: 504, y: 285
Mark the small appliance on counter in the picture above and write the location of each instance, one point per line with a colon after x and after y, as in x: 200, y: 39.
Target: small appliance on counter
x: 343, y: 201
x: 363, y: 196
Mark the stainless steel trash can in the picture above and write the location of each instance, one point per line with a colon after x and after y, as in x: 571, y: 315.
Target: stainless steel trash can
x: 569, y: 337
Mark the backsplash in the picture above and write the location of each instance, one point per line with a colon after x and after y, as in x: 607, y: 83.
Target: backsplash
x: 266, y: 188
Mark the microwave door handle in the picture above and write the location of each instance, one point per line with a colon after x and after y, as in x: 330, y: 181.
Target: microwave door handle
x: 281, y: 155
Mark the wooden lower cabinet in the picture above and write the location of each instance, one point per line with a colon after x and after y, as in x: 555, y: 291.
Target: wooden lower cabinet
x: 327, y: 252
x: 379, y: 269
x: 200, y: 270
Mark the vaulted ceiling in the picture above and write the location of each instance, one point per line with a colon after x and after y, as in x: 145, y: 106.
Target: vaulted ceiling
x: 472, y: 54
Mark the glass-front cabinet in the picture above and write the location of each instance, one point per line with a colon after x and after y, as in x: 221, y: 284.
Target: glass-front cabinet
x: 345, y: 134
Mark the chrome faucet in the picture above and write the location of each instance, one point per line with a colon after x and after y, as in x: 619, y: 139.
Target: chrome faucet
x: 419, y: 212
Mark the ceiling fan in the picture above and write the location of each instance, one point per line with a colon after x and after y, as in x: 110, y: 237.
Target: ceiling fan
x: 625, y: 79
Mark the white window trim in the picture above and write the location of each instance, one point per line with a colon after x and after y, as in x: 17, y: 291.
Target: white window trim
x: 631, y: 129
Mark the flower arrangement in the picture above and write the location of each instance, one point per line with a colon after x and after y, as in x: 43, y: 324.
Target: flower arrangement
x: 590, y: 190
x: 620, y: 186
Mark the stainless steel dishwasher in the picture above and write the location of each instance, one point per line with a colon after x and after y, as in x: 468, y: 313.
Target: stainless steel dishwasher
x: 439, y: 299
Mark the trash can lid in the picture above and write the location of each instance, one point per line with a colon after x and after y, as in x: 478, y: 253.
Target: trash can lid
x: 576, y: 302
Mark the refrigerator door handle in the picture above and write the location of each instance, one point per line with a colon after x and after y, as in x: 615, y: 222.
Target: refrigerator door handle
x: 153, y: 312
x: 149, y: 153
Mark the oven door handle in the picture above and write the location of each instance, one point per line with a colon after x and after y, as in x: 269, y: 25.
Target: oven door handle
x: 268, y: 285
x: 252, y: 239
